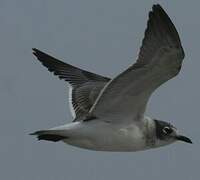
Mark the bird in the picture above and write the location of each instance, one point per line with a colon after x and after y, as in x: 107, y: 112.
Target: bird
x: 109, y: 114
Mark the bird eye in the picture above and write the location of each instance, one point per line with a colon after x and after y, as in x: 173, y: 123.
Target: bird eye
x: 167, y: 130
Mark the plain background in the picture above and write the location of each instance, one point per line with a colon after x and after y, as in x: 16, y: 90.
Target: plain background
x: 103, y: 37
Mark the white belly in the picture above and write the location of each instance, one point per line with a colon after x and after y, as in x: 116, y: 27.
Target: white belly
x: 106, y: 137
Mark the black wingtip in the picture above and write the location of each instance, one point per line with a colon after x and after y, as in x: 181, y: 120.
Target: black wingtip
x: 36, y: 133
x: 45, y: 135
x: 158, y: 9
x: 35, y: 51
x: 157, y: 6
x: 31, y: 134
x: 38, y: 53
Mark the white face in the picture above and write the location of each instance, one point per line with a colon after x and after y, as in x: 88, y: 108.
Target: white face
x: 168, y: 136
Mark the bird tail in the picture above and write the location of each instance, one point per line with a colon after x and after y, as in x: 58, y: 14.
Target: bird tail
x: 49, y: 135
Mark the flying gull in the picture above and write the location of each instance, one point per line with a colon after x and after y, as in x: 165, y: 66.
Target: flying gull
x: 109, y: 114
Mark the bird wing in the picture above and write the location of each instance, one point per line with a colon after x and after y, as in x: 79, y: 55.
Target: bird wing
x: 84, y: 86
x: 160, y: 59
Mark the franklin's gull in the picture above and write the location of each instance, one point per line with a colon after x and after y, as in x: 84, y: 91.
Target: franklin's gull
x: 109, y: 114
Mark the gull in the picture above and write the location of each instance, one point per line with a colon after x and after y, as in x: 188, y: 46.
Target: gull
x: 109, y: 114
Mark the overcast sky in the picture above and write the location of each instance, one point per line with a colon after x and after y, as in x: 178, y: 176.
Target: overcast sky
x: 102, y: 36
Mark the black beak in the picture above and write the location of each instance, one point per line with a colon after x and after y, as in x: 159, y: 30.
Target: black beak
x: 183, y: 138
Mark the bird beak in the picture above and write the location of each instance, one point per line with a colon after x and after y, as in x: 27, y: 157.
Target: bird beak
x: 183, y: 138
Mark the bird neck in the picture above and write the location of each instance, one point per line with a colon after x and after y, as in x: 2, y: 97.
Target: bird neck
x: 150, y: 131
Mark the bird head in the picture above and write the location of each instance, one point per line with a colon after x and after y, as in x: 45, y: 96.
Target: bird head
x: 166, y: 133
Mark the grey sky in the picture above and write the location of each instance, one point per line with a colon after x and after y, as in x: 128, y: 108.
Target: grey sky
x: 104, y: 37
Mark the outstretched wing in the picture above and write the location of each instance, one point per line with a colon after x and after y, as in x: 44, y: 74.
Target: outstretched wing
x: 160, y: 59
x: 85, y: 86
